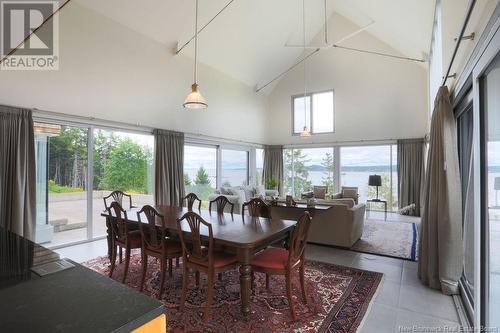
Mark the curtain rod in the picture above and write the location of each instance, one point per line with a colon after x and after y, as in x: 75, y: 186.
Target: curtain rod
x: 459, y: 39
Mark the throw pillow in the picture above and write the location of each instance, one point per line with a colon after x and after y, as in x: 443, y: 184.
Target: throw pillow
x: 249, y: 192
x: 260, y: 191
x: 224, y: 190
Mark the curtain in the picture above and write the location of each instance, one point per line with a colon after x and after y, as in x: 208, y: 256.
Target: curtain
x: 410, y: 172
x: 169, y: 167
x: 273, y: 166
x: 17, y: 171
x: 441, y: 249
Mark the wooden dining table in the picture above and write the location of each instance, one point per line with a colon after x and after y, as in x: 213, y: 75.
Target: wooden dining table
x: 241, y: 234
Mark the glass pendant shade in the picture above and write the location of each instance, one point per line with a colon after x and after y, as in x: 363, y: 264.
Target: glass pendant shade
x: 305, y: 132
x: 195, y: 100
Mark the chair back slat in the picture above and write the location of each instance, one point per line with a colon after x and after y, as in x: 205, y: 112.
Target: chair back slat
x: 256, y: 208
x: 221, y: 202
x: 118, y: 220
x: 152, y: 237
x: 193, y: 247
x: 298, y: 238
x: 191, y: 199
x: 117, y: 196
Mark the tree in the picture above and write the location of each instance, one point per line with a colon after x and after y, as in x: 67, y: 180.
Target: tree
x: 126, y: 168
x: 202, y: 177
x: 296, y: 175
x: 327, y: 164
x: 187, y: 180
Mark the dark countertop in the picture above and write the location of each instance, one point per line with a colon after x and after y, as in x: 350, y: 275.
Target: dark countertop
x: 73, y: 300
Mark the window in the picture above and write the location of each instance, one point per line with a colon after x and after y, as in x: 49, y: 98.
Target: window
x: 307, y: 167
x: 234, y: 167
x: 200, y: 171
x: 259, y: 165
x: 122, y: 161
x: 61, y: 180
x: 316, y: 111
x: 69, y: 202
x: 358, y: 163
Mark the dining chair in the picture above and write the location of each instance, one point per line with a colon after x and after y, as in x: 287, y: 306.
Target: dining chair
x: 279, y: 261
x: 121, y: 236
x: 155, y: 243
x: 191, y: 199
x: 201, y: 256
x: 221, y: 202
x: 257, y: 208
x: 118, y: 197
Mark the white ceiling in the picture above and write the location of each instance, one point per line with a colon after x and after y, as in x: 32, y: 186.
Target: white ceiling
x: 247, y: 40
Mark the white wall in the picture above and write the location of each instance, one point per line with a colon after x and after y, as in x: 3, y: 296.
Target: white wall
x: 110, y: 72
x: 376, y: 98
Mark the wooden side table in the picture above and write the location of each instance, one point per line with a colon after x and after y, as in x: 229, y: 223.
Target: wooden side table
x: 376, y: 201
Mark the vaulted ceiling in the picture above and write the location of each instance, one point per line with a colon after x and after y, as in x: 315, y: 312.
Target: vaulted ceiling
x: 247, y: 40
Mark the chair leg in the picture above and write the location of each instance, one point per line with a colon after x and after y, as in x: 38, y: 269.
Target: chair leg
x: 219, y: 276
x: 252, y: 283
x: 197, y: 278
x: 289, y: 293
x: 170, y: 267
x: 177, y: 262
x: 267, y: 281
x: 113, y: 259
x: 144, y: 269
x: 121, y: 259
x: 302, y: 281
x: 127, y: 263
x: 185, y: 281
x: 210, y: 293
x: 163, y: 268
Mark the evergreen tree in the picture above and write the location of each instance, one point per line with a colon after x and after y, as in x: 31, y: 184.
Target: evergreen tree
x: 297, y: 181
x: 202, y: 177
x: 187, y: 180
x: 327, y: 164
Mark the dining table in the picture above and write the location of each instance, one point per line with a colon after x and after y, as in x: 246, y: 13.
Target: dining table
x: 240, y: 234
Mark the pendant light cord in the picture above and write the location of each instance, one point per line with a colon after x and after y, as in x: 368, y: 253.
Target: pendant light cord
x: 196, y: 44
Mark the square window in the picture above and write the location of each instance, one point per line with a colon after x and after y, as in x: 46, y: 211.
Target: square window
x: 315, y: 110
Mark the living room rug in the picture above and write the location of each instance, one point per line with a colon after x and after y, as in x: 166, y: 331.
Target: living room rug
x: 338, y: 299
x: 389, y: 238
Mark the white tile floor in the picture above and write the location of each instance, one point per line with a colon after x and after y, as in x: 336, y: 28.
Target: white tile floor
x: 402, y: 304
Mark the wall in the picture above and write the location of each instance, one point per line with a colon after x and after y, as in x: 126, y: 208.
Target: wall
x: 376, y: 98
x: 110, y: 72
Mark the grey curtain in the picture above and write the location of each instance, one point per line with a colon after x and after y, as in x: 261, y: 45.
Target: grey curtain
x: 273, y: 165
x: 410, y: 172
x: 17, y: 171
x: 441, y: 244
x: 169, y: 167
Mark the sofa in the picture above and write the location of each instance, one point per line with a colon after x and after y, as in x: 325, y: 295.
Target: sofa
x: 339, y: 225
x: 238, y: 195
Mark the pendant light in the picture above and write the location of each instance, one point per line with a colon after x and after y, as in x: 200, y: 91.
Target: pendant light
x: 195, y: 100
x: 305, y: 132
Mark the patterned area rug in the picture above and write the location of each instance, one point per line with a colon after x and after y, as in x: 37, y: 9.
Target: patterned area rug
x: 338, y: 299
x: 389, y: 238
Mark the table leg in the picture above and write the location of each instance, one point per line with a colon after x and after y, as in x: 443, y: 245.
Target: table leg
x: 385, y: 210
x: 245, y: 280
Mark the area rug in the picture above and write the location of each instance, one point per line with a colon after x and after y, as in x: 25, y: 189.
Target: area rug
x: 389, y: 238
x: 338, y: 298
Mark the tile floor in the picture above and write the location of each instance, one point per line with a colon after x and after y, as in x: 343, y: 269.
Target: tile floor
x: 401, y: 305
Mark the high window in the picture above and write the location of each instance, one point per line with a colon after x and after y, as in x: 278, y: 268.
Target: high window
x: 315, y: 110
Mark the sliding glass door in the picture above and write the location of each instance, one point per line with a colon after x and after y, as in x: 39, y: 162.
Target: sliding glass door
x: 234, y: 167
x: 490, y: 95
x: 61, y: 174
x: 200, y: 171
